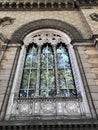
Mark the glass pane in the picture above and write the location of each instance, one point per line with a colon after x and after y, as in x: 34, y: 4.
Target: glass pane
x: 44, y: 61
x: 47, y: 83
x: 31, y: 57
x: 68, y: 92
x: 46, y: 49
x: 25, y: 78
x: 47, y: 57
x: 23, y: 93
x: 62, y: 79
x: 34, y: 60
x: 50, y: 61
x: 66, y: 81
x: 33, y: 79
x: 28, y: 60
x: 28, y: 84
x: 31, y: 93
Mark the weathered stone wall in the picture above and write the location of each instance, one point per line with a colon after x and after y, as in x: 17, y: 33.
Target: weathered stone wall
x: 92, y: 60
x: 72, y: 17
x: 89, y: 60
x: 92, y: 23
x: 88, y: 55
x: 6, y: 73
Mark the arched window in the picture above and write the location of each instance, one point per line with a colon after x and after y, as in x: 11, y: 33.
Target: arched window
x: 48, y: 85
x: 47, y: 76
x: 28, y: 84
x: 47, y: 79
x: 66, y: 79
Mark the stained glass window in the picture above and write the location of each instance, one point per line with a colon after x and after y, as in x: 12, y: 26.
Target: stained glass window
x: 47, y: 85
x: 28, y: 84
x: 66, y: 81
x: 48, y: 78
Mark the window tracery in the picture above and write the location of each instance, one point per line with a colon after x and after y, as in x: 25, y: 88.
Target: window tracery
x: 47, y: 78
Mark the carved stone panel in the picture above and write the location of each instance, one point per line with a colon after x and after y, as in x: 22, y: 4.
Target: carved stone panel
x: 47, y: 108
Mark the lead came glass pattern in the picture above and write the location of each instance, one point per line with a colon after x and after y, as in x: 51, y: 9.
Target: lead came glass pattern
x: 28, y: 84
x: 47, y: 85
x: 47, y: 75
x: 66, y: 81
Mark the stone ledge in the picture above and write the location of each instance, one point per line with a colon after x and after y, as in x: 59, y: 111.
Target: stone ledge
x: 50, y: 122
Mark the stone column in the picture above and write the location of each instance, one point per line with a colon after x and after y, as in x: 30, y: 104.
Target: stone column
x: 56, y: 70
x: 38, y: 71
x: 9, y: 63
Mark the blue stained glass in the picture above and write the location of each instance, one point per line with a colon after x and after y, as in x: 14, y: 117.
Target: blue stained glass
x: 28, y: 83
x: 47, y: 83
x: 66, y: 80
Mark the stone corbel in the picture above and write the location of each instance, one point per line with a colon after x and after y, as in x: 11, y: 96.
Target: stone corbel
x: 3, y: 45
x: 6, y: 21
x: 3, y: 42
x: 94, y: 16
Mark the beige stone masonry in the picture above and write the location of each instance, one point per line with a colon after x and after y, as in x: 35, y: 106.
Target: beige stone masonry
x: 92, y: 24
x: 93, y: 60
x: 89, y: 52
x: 93, y: 89
x: 95, y: 70
x: 96, y: 104
x: 96, y: 82
x: 5, y: 71
x: 89, y: 59
x: 23, y: 17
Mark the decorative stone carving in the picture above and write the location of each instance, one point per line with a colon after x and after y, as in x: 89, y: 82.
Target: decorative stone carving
x: 72, y: 108
x: 94, y: 16
x: 46, y: 108
x: 44, y: 37
x: 6, y: 21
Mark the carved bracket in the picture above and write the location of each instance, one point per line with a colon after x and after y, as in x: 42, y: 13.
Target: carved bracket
x: 94, y: 16
x: 6, y: 21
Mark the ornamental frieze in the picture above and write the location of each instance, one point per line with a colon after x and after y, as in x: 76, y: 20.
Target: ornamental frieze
x: 43, y: 4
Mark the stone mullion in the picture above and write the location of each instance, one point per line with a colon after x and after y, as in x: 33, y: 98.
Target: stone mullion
x: 56, y: 71
x: 38, y: 71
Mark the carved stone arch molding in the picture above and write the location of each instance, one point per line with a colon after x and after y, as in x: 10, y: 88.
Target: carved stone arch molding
x: 19, y: 34
x: 16, y: 106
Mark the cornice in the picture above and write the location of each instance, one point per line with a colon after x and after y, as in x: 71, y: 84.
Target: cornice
x: 44, y: 4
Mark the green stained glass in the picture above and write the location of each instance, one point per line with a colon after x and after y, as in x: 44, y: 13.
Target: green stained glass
x: 28, y: 84
x: 33, y: 79
x: 28, y: 60
x: 43, y: 61
x: 47, y: 83
x: 25, y: 79
x: 34, y: 60
x: 66, y: 80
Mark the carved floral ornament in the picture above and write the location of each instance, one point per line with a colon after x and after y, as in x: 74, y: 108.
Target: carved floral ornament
x: 6, y: 21
x: 94, y: 16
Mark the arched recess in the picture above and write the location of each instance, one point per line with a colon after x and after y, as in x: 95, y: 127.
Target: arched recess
x: 65, y: 36
x: 70, y: 30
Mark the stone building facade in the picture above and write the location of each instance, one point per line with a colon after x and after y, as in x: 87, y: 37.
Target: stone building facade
x: 46, y: 96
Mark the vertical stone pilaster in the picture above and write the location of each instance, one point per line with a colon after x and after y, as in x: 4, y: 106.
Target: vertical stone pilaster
x: 56, y: 70
x: 38, y: 71
x: 8, y: 66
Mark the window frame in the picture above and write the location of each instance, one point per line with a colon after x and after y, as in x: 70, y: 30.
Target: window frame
x: 18, y: 76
